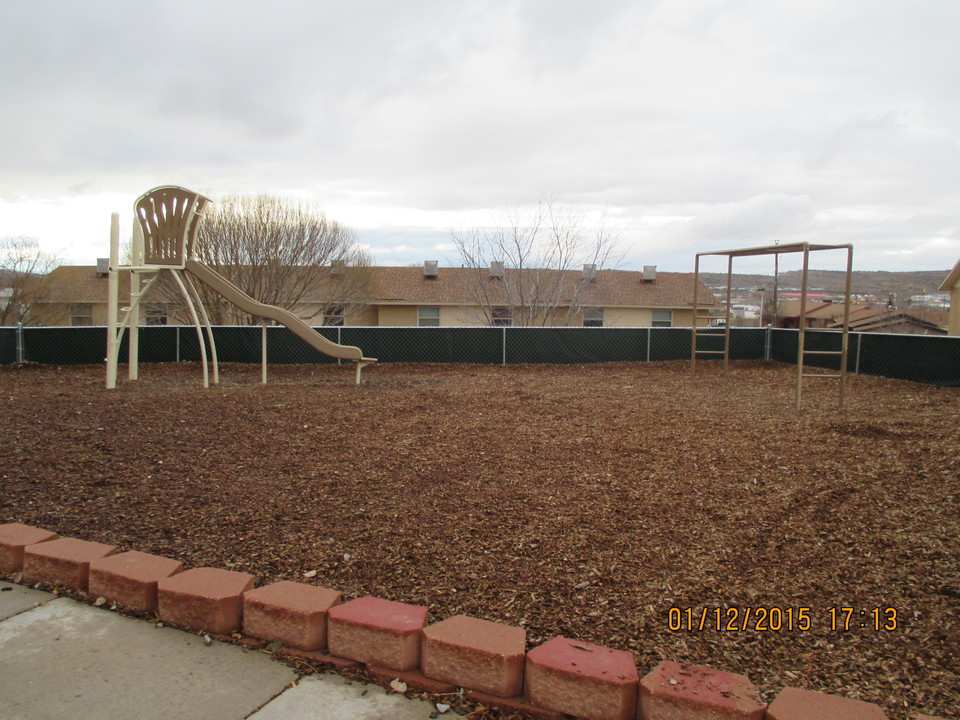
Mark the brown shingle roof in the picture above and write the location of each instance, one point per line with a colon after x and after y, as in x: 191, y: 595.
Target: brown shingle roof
x: 408, y: 286
x: 884, y: 319
x: 817, y: 309
x: 611, y: 288
x: 80, y: 284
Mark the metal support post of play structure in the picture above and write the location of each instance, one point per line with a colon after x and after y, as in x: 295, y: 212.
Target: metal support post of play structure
x: 263, y: 350
x: 133, y: 363
x: 113, y: 301
x: 845, y: 341
x: 802, y: 322
x: 726, y: 319
x: 21, y: 353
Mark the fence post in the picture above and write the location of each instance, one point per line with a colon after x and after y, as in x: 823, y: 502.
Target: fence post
x: 503, y: 346
x: 856, y: 366
x: 767, y: 344
x: 20, y: 352
x: 650, y: 336
x: 263, y: 351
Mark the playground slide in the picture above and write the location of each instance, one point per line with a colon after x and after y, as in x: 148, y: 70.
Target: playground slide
x: 238, y: 297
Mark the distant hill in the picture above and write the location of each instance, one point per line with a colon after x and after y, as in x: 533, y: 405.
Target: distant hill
x: 900, y: 285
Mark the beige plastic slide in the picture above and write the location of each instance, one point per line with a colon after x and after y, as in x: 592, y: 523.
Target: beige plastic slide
x: 238, y: 297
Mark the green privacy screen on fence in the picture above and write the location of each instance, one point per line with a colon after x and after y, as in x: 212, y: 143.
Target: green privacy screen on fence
x: 933, y: 359
x: 921, y: 358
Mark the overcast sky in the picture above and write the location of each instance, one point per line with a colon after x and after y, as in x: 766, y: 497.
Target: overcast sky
x: 695, y: 124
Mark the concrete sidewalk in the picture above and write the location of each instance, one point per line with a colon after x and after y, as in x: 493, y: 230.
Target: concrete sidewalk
x: 63, y: 659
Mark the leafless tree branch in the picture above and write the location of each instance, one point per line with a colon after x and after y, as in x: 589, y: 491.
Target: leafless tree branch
x: 23, y: 285
x: 281, y: 252
x: 543, y: 253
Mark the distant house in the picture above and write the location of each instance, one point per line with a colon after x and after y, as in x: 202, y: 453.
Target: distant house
x: 430, y: 295
x: 952, y: 285
x: 863, y: 318
x: 470, y: 296
x: 818, y: 315
x: 883, y: 319
x: 76, y: 295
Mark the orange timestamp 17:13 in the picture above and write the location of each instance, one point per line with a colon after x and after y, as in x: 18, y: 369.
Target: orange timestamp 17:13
x: 777, y: 619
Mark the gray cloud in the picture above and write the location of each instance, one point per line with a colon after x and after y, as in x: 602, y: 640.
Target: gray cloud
x: 697, y: 124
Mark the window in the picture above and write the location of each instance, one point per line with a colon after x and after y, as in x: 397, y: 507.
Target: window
x: 333, y: 315
x: 501, y: 317
x: 663, y: 318
x: 593, y: 317
x: 428, y: 316
x: 81, y: 314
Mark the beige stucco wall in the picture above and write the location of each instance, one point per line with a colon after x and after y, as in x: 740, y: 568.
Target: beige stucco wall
x: 627, y: 317
x: 312, y: 314
x: 58, y: 314
x: 457, y: 316
x: 684, y: 318
x: 643, y: 317
x: 100, y: 314
x: 364, y: 315
x: 953, y: 324
x: 450, y: 315
x: 392, y: 315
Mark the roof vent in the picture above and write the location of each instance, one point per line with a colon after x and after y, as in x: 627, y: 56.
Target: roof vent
x: 430, y: 269
x: 337, y: 268
x: 103, y: 266
x: 649, y: 273
x: 589, y: 272
x: 496, y: 269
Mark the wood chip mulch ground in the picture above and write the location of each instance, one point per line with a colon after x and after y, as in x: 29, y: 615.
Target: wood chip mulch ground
x: 583, y: 501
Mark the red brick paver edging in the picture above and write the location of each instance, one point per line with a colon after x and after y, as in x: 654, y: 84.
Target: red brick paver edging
x: 131, y: 578
x: 561, y: 677
x: 14, y: 538
x: 674, y: 691
x: 796, y: 704
x: 204, y: 599
x: 64, y: 561
x: 477, y: 654
x: 377, y: 632
x: 582, y: 679
x: 291, y: 613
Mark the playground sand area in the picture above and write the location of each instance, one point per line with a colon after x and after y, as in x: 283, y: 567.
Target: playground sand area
x: 583, y: 501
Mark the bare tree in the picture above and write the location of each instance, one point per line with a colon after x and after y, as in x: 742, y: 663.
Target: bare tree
x: 543, y: 261
x: 282, y: 252
x: 23, y: 267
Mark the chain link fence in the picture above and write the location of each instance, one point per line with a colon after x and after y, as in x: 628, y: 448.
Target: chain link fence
x: 933, y: 359
x: 920, y: 358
